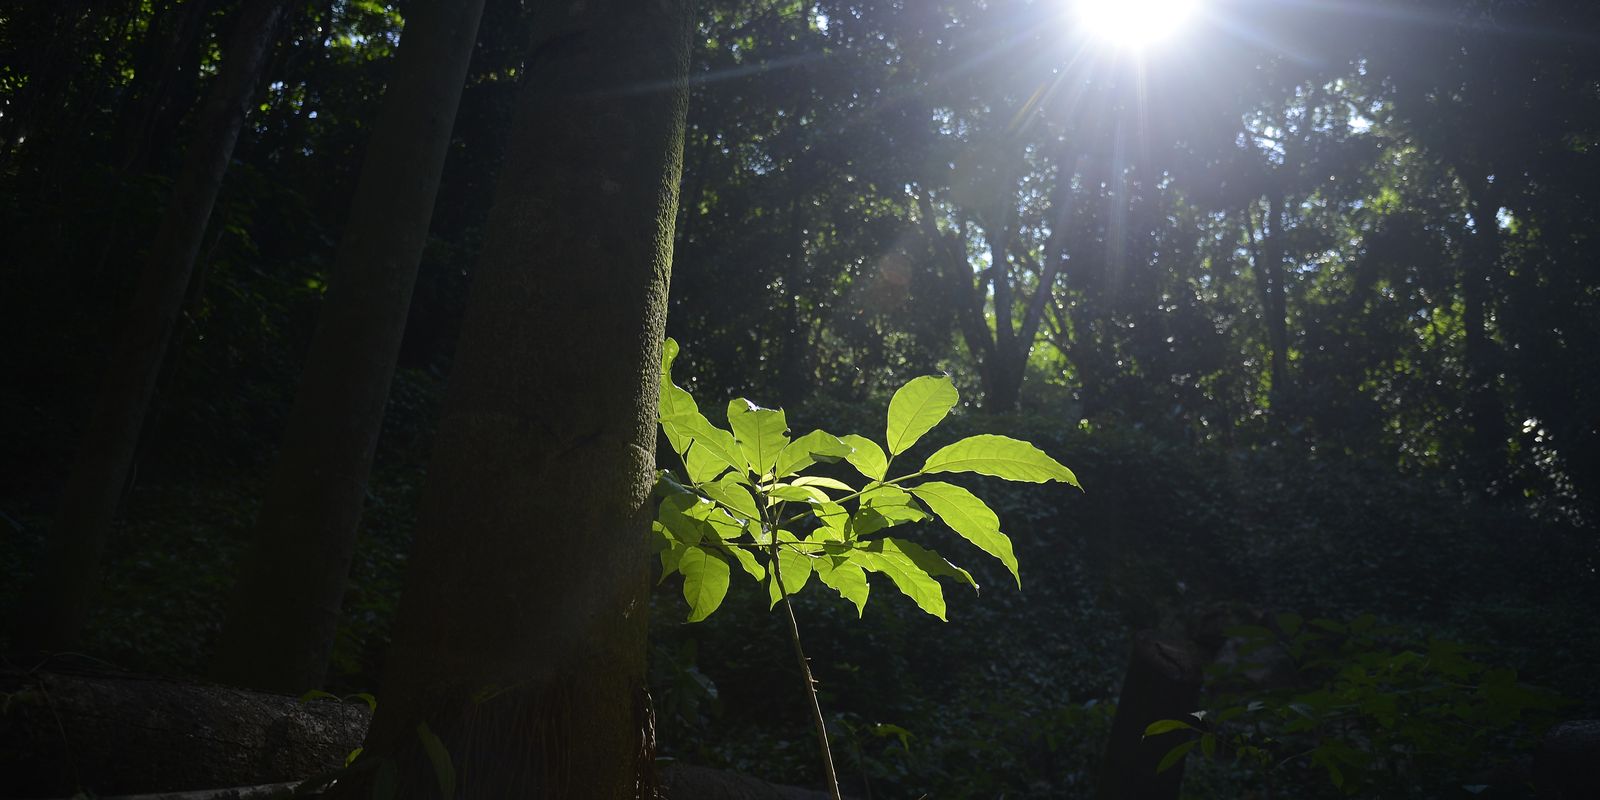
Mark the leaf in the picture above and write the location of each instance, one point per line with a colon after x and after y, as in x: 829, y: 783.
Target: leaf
x: 796, y: 494
x: 885, y: 556
x: 794, y: 569
x: 845, y: 577
x: 1175, y: 755
x: 1161, y: 726
x: 866, y: 456
x: 733, y: 495
x: 762, y: 433
x: 893, y: 503
x: 916, y: 408
x: 705, y: 581
x: 723, y: 525
x: 825, y: 483
x: 807, y: 450
x: 675, y: 402
x: 701, y: 466
x: 747, y: 561
x: 717, y: 443
x: 931, y: 562
x: 385, y: 783
x: 835, y: 521
x: 443, y: 770
x: 670, y: 558
x: 971, y: 518
x: 680, y: 525
x: 1000, y: 457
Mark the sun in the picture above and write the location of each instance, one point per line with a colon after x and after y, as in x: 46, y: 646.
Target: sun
x: 1134, y: 24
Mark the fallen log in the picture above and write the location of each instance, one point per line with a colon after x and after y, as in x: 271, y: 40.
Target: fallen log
x: 132, y: 737
x: 127, y: 734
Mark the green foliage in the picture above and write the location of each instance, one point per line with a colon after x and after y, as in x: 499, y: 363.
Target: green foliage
x: 742, y: 497
x: 1374, y: 713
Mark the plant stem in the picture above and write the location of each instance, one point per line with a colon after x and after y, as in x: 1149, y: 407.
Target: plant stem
x: 805, y: 674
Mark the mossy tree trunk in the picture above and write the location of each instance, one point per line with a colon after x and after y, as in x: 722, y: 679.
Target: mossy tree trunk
x: 520, y: 640
x: 281, y: 626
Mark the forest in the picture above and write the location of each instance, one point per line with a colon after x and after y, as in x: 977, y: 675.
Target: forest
x: 365, y: 366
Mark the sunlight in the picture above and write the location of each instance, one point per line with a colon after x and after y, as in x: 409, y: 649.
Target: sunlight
x: 1135, y: 23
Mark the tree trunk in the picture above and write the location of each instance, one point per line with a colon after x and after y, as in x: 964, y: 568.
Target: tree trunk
x: 520, y: 636
x: 281, y: 625
x: 61, y: 590
x: 1485, y: 415
x: 1270, y: 279
x: 1163, y: 682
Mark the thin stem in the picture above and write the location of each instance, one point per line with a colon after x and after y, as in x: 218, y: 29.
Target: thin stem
x: 810, y: 683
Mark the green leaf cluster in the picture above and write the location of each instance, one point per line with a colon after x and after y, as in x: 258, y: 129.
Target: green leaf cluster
x: 743, y: 497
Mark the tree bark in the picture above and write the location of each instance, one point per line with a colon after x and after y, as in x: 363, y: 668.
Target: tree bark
x: 63, y: 733
x: 520, y: 637
x: 1163, y: 682
x: 61, y: 590
x: 281, y: 625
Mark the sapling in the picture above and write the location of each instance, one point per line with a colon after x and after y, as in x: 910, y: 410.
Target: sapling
x: 743, y: 497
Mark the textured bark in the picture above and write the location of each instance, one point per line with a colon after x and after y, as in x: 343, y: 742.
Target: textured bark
x: 281, y: 626
x: 60, y: 594
x: 1163, y: 682
x: 520, y: 636
x: 125, y: 734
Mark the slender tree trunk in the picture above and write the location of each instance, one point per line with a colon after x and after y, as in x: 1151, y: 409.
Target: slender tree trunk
x: 60, y: 594
x: 1267, y: 251
x: 1485, y: 413
x: 281, y: 625
x: 520, y: 638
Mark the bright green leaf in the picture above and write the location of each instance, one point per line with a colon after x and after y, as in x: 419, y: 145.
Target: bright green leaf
x: 669, y: 560
x: 716, y: 442
x: 845, y: 577
x: 885, y: 556
x: 866, y: 456
x: 916, y: 408
x: 705, y: 581
x: 723, y: 524
x: 825, y: 483
x: 807, y: 450
x: 893, y: 503
x: 969, y: 517
x: 762, y: 433
x: 675, y: 402
x: 747, y: 560
x: 1001, y: 457
x: 797, y: 494
x: 682, y: 527
x: 931, y: 562
x: 794, y: 569
x: 733, y: 495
